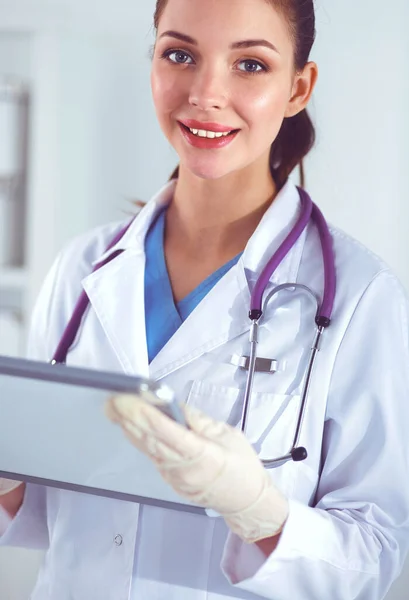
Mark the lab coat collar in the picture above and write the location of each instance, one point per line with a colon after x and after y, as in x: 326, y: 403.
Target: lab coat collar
x: 272, y: 230
x: 135, y: 235
x: 220, y: 316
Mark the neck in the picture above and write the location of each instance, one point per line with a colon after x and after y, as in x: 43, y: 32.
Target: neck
x: 219, y: 215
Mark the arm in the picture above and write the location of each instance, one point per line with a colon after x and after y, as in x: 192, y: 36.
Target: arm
x: 12, y: 500
x: 268, y: 545
x: 352, y: 543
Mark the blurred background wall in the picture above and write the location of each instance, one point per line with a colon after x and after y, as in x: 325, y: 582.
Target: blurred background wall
x: 92, y: 144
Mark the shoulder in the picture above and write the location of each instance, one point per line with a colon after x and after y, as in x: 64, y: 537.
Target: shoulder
x: 78, y: 259
x: 367, y: 279
x: 79, y: 256
x: 352, y: 256
x: 356, y: 266
x: 359, y: 266
x: 62, y: 287
x: 360, y: 274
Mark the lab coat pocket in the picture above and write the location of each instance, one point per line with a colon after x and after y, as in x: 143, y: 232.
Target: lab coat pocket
x: 271, y: 419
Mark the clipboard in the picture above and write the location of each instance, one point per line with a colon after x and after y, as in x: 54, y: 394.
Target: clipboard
x: 53, y: 432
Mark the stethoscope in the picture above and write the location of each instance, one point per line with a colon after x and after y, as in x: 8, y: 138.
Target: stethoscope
x: 309, y: 211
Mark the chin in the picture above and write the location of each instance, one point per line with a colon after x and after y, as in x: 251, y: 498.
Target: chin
x: 208, y: 175
x: 209, y: 170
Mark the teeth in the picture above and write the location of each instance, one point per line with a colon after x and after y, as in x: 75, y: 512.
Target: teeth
x: 208, y: 134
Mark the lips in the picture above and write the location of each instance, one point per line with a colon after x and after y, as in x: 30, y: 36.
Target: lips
x: 200, y: 126
x: 204, y: 142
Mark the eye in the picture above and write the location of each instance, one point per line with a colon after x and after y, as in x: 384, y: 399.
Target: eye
x: 251, y: 66
x: 178, y: 57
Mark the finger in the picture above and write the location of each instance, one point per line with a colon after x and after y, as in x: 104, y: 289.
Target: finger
x: 142, y: 440
x: 206, y: 426
x: 218, y: 432
x: 151, y: 421
x: 111, y: 412
x: 202, y: 424
x: 156, y: 450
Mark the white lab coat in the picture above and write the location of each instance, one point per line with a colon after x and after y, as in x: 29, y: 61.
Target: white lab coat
x: 348, y: 527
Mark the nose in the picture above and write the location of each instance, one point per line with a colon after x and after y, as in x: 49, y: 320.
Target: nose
x: 209, y: 90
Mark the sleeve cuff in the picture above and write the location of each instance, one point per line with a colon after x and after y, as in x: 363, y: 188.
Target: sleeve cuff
x: 308, y: 533
x: 243, y: 562
x: 303, y: 532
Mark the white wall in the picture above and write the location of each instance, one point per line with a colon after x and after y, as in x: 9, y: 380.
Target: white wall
x: 95, y: 141
x: 14, y: 61
x: 18, y: 568
x: 359, y: 170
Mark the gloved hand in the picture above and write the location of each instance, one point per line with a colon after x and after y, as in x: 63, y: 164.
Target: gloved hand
x: 8, y: 485
x: 212, y: 465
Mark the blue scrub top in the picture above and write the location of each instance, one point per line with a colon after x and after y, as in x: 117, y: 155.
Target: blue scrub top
x: 163, y: 317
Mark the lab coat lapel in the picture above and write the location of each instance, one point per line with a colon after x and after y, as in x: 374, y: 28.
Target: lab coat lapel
x: 222, y: 315
x: 117, y: 290
x: 116, y: 293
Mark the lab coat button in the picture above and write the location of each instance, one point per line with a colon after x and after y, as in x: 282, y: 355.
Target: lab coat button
x: 118, y: 540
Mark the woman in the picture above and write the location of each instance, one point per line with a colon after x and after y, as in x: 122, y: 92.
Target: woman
x: 231, y: 81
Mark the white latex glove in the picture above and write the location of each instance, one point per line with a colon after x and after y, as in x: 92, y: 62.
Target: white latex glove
x: 212, y: 465
x: 8, y: 485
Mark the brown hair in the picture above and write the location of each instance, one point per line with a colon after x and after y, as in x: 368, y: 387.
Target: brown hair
x: 297, y: 134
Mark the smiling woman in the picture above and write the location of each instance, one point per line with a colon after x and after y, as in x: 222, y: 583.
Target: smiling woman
x: 296, y: 136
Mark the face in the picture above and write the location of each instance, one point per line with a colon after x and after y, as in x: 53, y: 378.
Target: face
x: 222, y: 82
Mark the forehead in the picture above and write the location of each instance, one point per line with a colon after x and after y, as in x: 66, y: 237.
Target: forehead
x: 222, y: 22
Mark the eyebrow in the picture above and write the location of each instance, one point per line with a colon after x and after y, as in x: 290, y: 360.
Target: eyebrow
x: 235, y: 46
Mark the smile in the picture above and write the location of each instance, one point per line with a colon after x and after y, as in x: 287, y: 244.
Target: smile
x: 208, y: 134
x: 207, y: 139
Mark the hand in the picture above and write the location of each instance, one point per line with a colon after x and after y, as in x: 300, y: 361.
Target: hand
x: 8, y: 485
x: 212, y: 465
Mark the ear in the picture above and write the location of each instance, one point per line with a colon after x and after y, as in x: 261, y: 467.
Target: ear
x: 303, y: 86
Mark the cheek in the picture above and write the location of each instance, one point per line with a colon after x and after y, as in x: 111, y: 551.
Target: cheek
x: 264, y: 108
x: 165, y: 93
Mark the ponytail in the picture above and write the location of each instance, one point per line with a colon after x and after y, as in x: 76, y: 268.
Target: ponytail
x: 175, y: 174
x: 295, y: 139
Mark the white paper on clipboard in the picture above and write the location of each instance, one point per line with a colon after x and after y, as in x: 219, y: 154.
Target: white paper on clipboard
x: 55, y: 433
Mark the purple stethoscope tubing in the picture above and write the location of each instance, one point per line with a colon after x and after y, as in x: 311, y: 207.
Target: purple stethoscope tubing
x: 308, y: 211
